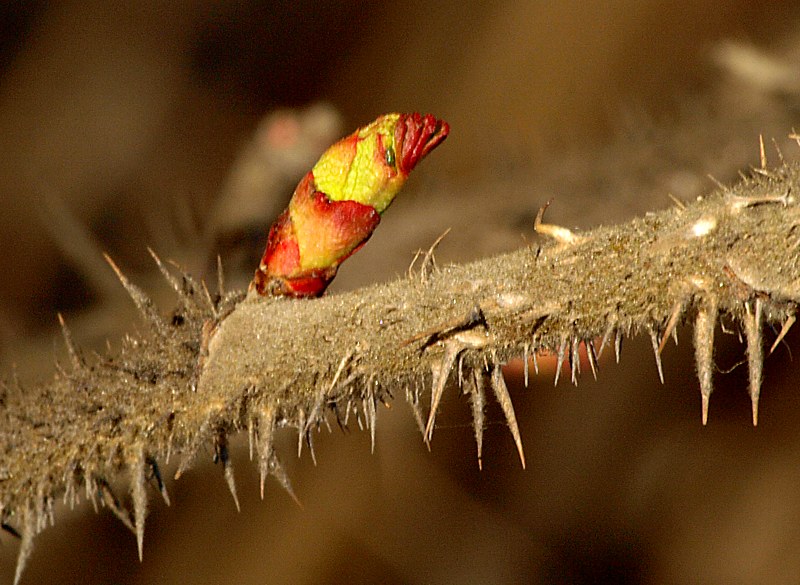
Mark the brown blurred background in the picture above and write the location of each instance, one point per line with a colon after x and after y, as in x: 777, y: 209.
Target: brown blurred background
x: 184, y: 125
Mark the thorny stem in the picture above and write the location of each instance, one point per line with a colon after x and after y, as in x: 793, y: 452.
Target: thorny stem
x: 218, y: 365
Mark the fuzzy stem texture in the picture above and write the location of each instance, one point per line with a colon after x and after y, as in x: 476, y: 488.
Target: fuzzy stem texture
x: 217, y: 365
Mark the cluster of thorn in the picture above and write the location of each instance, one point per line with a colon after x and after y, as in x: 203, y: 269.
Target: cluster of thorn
x: 169, y: 363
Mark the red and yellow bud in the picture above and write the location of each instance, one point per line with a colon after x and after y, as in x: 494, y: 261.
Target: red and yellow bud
x: 338, y: 204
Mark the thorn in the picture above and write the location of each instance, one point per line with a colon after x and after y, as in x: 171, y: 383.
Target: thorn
x: 784, y: 330
x: 560, y: 234
x: 220, y: 278
x: 719, y: 184
x: 410, y: 271
x: 451, y: 351
x: 276, y: 469
x: 28, y: 531
x: 429, y: 261
x: 617, y: 344
x: 413, y: 400
x: 794, y: 136
x: 112, y: 502
x: 168, y: 276
x: 91, y: 489
x: 159, y: 481
x: 310, y: 443
x: 503, y: 397
x: 74, y: 356
x: 778, y: 151
x: 575, y: 360
x: 525, y: 363
x: 678, y: 203
x: 301, y: 425
x: 762, y: 152
x: 673, y: 321
x: 209, y: 300
x: 606, y: 336
x: 266, y: 429
x: 250, y: 437
x: 192, y: 448
x: 139, y: 497
x: 704, y: 326
x: 654, y: 341
x: 478, y: 401
x: 590, y: 354
x: 140, y: 299
x: 755, y: 354
x: 371, y: 414
x: 319, y: 401
x: 222, y: 455
x: 560, y: 358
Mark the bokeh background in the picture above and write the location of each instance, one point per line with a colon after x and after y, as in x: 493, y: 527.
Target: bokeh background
x: 184, y: 125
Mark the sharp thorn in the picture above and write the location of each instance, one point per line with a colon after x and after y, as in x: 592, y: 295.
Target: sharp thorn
x: 478, y: 400
x: 300, y: 431
x: 28, y: 531
x: 112, y: 502
x: 159, y: 481
x: 654, y: 341
x: 784, y: 330
x: 451, y: 351
x: 74, y: 356
x: 525, y: 363
x: 276, y: 470
x: 371, y: 414
x: 221, y: 449
x: 168, y: 276
x: 705, y: 324
x: 413, y: 400
x: 266, y: 430
x: 673, y: 321
x: 575, y: 360
x: 755, y: 354
x: 504, y: 399
x: 606, y: 337
x: 310, y: 443
x: 220, y: 278
x: 592, y: 357
x: 139, y: 498
x: 560, y: 358
x: 140, y: 299
x: 617, y: 344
